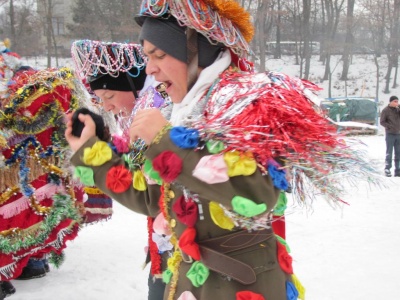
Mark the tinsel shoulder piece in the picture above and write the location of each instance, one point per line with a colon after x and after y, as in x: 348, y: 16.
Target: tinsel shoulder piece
x: 275, y: 116
x: 93, y: 58
x: 223, y: 21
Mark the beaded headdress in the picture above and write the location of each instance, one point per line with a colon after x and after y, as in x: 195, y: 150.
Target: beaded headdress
x: 223, y: 21
x: 93, y: 59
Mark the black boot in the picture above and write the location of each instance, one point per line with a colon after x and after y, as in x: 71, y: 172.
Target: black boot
x: 7, y: 289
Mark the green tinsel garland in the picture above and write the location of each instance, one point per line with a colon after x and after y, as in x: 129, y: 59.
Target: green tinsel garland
x: 63, y: 208
x: 56, y: 259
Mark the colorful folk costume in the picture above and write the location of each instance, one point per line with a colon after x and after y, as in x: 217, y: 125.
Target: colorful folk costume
x: 39, y: 210
x: 213, y: 175
x: 121, y: 67
x: 40, y: 204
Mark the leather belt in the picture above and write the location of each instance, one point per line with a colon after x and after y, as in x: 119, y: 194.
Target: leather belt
x: 213, y: 254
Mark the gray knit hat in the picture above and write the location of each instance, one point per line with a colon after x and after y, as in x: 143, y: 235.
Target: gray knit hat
x: 170, y: 37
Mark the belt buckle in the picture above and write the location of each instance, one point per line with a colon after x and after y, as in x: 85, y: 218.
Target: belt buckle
x: 186, y: 258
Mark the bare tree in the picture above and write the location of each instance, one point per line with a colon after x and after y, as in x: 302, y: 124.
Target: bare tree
x: 392, y: 49
x: 348, y: 46
x: 306, y: 36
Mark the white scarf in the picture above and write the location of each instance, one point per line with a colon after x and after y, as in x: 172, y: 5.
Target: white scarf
x: 184, y: 109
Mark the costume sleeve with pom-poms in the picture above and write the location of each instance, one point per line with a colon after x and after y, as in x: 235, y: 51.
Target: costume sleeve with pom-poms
x: 114, y: 178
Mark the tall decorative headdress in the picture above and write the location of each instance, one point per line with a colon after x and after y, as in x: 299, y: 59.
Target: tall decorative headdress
x: 94, y: 58
x: 223, y: 21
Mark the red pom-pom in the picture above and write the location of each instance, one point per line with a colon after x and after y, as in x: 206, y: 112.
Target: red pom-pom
x: 118, y: 179
x: 186, y: 211
x: 284, y: 258
x: 168, y: 165
x: 247, y: 295
x: 188, y: 245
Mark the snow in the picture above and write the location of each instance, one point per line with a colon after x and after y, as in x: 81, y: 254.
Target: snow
x: 347, y: 254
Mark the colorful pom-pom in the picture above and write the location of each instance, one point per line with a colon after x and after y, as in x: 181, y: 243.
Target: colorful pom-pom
x: 186, y: 295
x: 118, y: 179
x: 166, y: 276
x: 299, y: 287
x: 169, y: 165
x: 198, y: 273
x: 211, y: 169
x: 284, y: 258
x: 215, y: 147
x: 291, y: 291
x: 218, y: 216
x: 85, y: 175
x: 121, y: 144
x: 150, y: 173
x: 139, y: 181
x: 248, y: 295
x: 97, y: 155
x: 163, y: 242
x: 281, y: 204
x: 247, y: 207
x: 278, y: 177
x: 283, y: 242
x: 160, y: 225
x: 183, y: 137
x: 186, y: 211
x: 240, y: 163
x: 188, y: 245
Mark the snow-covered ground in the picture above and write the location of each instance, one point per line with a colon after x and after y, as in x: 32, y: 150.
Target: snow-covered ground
x: 346, y: 254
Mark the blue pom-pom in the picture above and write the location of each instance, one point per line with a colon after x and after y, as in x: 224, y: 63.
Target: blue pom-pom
x: 278, y: 177
x: 291, y: 291
x: 183, y: 137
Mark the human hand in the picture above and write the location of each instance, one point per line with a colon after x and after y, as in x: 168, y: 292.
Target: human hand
x: 146, y: 125
x: 89, y: 131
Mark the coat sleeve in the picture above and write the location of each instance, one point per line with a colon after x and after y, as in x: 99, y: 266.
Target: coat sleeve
x: 256, y: 187
x: 384, y: 118
x: 143, y: 202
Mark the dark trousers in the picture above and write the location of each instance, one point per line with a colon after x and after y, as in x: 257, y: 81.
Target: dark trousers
x: 156, y: 288
x: 392, y: 142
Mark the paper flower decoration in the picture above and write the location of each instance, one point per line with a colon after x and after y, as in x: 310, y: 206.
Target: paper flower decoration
x: 186, y: 211
x: 151, y: 175
x: 183, y: 137
x: 198, y: 274
x: 284, y: 258
x: 121, y: 144
x: 97, y: 155
x: 139, y: 181
x: 211, y: 169
x: 218, y: 216
x: 278, y: 176
x: 187, y: 296
x: 291, y: 291
x: 118, y: 179
x: 215, y: 147
x: 168, y: 165
x: 247, y: 207
x: 240, y: 163
x: 188, y: 245
x: 247, y: 295
x: 85, y: 175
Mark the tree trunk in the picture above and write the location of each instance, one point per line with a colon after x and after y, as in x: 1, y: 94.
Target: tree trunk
x: 277, y: 52
x: 306, y: 37
x: 349, y: 40
x: 12, y: 23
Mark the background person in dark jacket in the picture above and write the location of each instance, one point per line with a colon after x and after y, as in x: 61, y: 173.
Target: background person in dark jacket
x: 390, y: 119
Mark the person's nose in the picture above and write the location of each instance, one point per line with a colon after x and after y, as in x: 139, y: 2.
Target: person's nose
x: 108, y: 106
x: 151, y: 68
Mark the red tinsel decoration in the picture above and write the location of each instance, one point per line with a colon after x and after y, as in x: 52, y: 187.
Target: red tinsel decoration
x: 155, y: 258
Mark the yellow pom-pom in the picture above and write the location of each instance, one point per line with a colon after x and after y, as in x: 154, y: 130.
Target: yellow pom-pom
x: 300, y: 288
